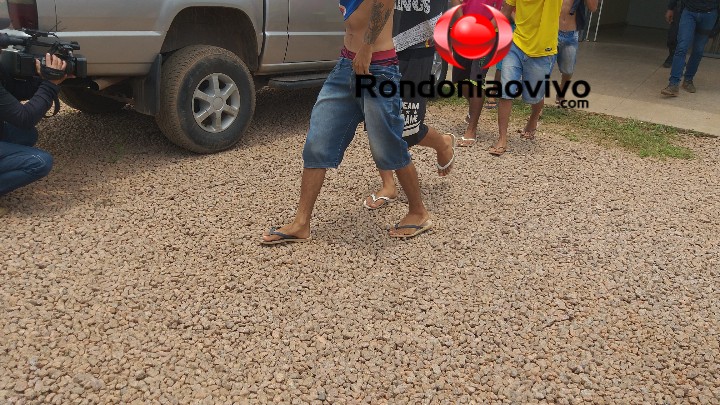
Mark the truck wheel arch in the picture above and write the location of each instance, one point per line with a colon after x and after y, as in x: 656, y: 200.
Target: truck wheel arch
x: 224, y: 27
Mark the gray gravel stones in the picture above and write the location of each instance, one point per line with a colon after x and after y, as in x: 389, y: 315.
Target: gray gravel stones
x: 561, y: 272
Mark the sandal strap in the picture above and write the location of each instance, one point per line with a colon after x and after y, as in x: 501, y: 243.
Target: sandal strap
x: 398, y: 226
x: 273, y: 231
x: 382, y: 197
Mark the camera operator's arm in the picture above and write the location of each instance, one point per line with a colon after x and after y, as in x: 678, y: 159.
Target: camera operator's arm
x: 27, y: 115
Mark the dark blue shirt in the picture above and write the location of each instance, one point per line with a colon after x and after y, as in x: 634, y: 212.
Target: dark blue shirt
x: 347, y: 7
x: 40, y: 95
x: 696, y: 5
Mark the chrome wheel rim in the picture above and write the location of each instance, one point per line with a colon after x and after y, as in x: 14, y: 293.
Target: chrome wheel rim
x: 216, y: 102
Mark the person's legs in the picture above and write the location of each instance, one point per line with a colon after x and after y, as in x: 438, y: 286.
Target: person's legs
x: 686, y: 33
x: 310, y: 186
x: 21, y: 165
x: 475, y: 102
x: 390, y: 152
x: 705, y: 23
x: 415, y: 69
x: 535, y: 73
x: 504, y: 111
x: 466, y: 80
x: 417, y: 213
x: 510, y: 78
x: 492, y: 101
x: 333, y: 122
x: 672, y: 37
x: 566, y: 58
x: 443, y: 145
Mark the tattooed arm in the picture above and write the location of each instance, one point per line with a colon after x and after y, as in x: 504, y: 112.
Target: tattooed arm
x: 381, y: 12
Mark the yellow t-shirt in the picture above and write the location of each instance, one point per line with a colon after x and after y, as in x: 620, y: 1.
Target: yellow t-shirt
x: 538, y: 23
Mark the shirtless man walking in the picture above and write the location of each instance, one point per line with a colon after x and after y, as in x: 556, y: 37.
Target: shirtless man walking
x: 368, y: 50
x: 572, y: 20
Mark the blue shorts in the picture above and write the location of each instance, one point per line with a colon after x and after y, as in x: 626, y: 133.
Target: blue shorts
x: 338, y: 111
x: 567, y: 51
x: 528, y: 75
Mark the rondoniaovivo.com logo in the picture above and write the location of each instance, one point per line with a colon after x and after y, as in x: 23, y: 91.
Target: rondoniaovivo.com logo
x: 473, y: 36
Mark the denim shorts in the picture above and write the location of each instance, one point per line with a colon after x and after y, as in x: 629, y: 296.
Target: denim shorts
x: 338, y: 111
x: 498, y: 66
x: 567, y: 51
x: 529, y: 75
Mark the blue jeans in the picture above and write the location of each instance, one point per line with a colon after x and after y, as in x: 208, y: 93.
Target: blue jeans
x: 20, y: 163
x: 693, y: 31
x: 567, y: 51
x: 522, y: 74
x: 338, y: 111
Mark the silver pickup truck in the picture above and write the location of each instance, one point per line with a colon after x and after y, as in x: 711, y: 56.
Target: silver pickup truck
x: 193, y: 64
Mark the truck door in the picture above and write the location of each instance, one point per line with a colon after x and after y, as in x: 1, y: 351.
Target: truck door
x: 315, y: 31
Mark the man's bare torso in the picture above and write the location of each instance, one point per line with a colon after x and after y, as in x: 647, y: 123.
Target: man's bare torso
x: 356, y: 27
x: 567, y: 21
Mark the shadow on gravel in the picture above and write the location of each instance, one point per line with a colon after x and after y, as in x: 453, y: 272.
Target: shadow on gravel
x: 278, y: 110
x: 88, y: 149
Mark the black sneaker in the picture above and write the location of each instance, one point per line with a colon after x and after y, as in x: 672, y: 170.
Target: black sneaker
x: 670, y: 90
x: 689, y: 86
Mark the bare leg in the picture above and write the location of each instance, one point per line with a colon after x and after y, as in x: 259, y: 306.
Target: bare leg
x: 312, y: 181
x: 443, y: 145
x: 417, y: 213
x: 475, y: 106
x: 532, y: 123
x: 565, y: 79
x: 504, y: 110
x: 388, y: 189
x: 493, y: 100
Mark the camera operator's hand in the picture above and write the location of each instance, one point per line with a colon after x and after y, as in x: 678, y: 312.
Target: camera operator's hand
x: 54, y: 62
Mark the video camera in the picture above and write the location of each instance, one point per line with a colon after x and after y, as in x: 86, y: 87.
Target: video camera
x: 21, y: 64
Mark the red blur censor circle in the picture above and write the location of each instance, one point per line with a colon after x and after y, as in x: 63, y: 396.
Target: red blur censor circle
x: 473, y: 36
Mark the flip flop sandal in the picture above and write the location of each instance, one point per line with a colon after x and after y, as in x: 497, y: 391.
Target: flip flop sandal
x: 497, y: 151
x: 375, y: 199
x: 284, y: 238
x: 472, y: 141
x: 530, y: 135
x: 467, y: 119
x: 452, y: 159
x: 426, y: 226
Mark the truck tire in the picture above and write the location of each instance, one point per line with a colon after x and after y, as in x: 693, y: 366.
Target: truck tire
x: 207, y: 99
x: 88, y: 101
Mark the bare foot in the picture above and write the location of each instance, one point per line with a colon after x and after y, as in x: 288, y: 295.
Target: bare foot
x: 418, y: 221
x: 446, y: 158
x: 296, y: 231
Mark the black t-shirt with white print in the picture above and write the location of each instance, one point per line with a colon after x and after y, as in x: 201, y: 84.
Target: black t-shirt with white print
x: 414, y: 22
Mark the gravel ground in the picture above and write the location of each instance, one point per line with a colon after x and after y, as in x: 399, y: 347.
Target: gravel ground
x: 561, y: 272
